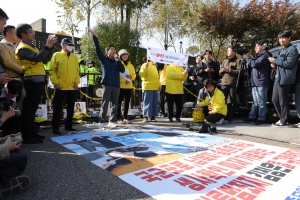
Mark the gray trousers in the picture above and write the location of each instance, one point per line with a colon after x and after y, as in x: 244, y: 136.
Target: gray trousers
x: 110, y: 95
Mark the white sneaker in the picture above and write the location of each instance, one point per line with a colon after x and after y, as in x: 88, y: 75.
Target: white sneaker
x: 101, y: 125
x: 112, y: 124
x: 297, y: 125
x: 220, y: 122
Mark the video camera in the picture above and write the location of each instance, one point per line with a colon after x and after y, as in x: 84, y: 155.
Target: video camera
x: 241, y: 49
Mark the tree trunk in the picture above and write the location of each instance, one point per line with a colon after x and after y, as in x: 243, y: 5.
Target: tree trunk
x: 88, y: 17
x: 128, y: 9
x: 122, y: 16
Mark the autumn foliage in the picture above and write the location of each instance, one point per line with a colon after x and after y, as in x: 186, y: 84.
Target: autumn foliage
x: 226, y: 22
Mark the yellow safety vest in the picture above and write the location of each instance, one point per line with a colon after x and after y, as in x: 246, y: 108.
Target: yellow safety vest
x: 30, y: 68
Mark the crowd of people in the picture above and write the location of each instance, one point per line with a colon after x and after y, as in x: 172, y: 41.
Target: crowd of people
x: 23, y: 77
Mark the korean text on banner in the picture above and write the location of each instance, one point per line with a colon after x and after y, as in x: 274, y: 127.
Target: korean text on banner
x: 167, y: 57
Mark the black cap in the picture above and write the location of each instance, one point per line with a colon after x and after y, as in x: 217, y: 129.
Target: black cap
x: 67, y: 41
x: 82, y: 62
x: 92, y: 62
x: 285, y: 34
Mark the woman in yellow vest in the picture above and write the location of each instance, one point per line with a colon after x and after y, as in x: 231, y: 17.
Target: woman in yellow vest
x: 174, y: 90
x: 151, y: 86
x: 126, y: 86
x: 32, y: 61
x: 212, y: 102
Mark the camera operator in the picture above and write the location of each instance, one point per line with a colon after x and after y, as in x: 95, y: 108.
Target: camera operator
x: 8, y: 100
x: 230, y: 70
x: 260, y: 82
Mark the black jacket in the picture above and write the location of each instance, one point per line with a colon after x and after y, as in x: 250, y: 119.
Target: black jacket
x: 202, y: 75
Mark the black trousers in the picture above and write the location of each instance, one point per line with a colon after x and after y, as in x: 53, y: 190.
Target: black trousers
x: 12, y: 126
x: 13, y: 166
x: 178, y: 100
x: 90, y: 93
x: 31, y: 102
x: 58, y: 100
x: 213, y: 118
x: 125, y: 94
x: 162, y: 95
x: 230, y: 98
x: 280, y: 99
x: 84, y: 90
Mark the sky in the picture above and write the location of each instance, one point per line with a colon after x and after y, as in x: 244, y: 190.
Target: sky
x: 37, y: 9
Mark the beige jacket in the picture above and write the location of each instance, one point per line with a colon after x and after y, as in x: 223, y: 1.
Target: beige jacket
x: 8, y: 60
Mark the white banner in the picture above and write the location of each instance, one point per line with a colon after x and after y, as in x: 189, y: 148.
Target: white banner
x: 167, y: 57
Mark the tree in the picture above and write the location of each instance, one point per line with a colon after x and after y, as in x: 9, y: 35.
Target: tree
x: 117, y: 34
x: 87, y: 6
x: 217, y: 20
x: 62, y: 32
x: 70, y: 16
x: 192, y: 50
x: 129, y: 6
x: 273, y: 18
x: 163, y: 21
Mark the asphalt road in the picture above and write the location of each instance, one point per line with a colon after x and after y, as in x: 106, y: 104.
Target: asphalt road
x: 57, y: 173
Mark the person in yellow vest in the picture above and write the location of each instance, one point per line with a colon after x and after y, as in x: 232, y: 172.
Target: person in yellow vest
x: 212, y: 101
x: 126, y: 86
x: 91, y: 78
x: 32, y: 61
x: 174, y: 89
x: 162, y: 68
x: 64, y: 74
x: 150, y: 86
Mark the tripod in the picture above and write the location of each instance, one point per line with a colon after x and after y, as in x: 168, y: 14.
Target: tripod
x: 245, y: 69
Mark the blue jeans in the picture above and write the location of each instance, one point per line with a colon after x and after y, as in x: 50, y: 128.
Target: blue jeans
x: 259, y: 106
x: 297, y: 98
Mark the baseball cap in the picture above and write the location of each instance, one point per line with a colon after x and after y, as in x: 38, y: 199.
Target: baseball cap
x: 67, y: 41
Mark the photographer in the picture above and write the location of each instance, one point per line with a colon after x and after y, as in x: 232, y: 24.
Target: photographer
x: 260, y: 82
x: 10, y: 103
x: 230, y: 70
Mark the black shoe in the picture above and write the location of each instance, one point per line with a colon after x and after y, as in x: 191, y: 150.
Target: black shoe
x: 248, y: 120
x: 14, y: 186
x: 259, y: 122
x: 32, y: 140
x: 178, y: 120
x: 153, y: 119
x: 38, y: 136
x: 170, y: 120
x: 70, y: 129
x: 56, y: 132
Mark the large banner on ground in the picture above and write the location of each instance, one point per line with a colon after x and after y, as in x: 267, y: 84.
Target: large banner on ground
x: 172, y: 164
x: 167, y: 57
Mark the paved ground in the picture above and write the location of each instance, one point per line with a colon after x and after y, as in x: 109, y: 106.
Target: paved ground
x: 57, y: 173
